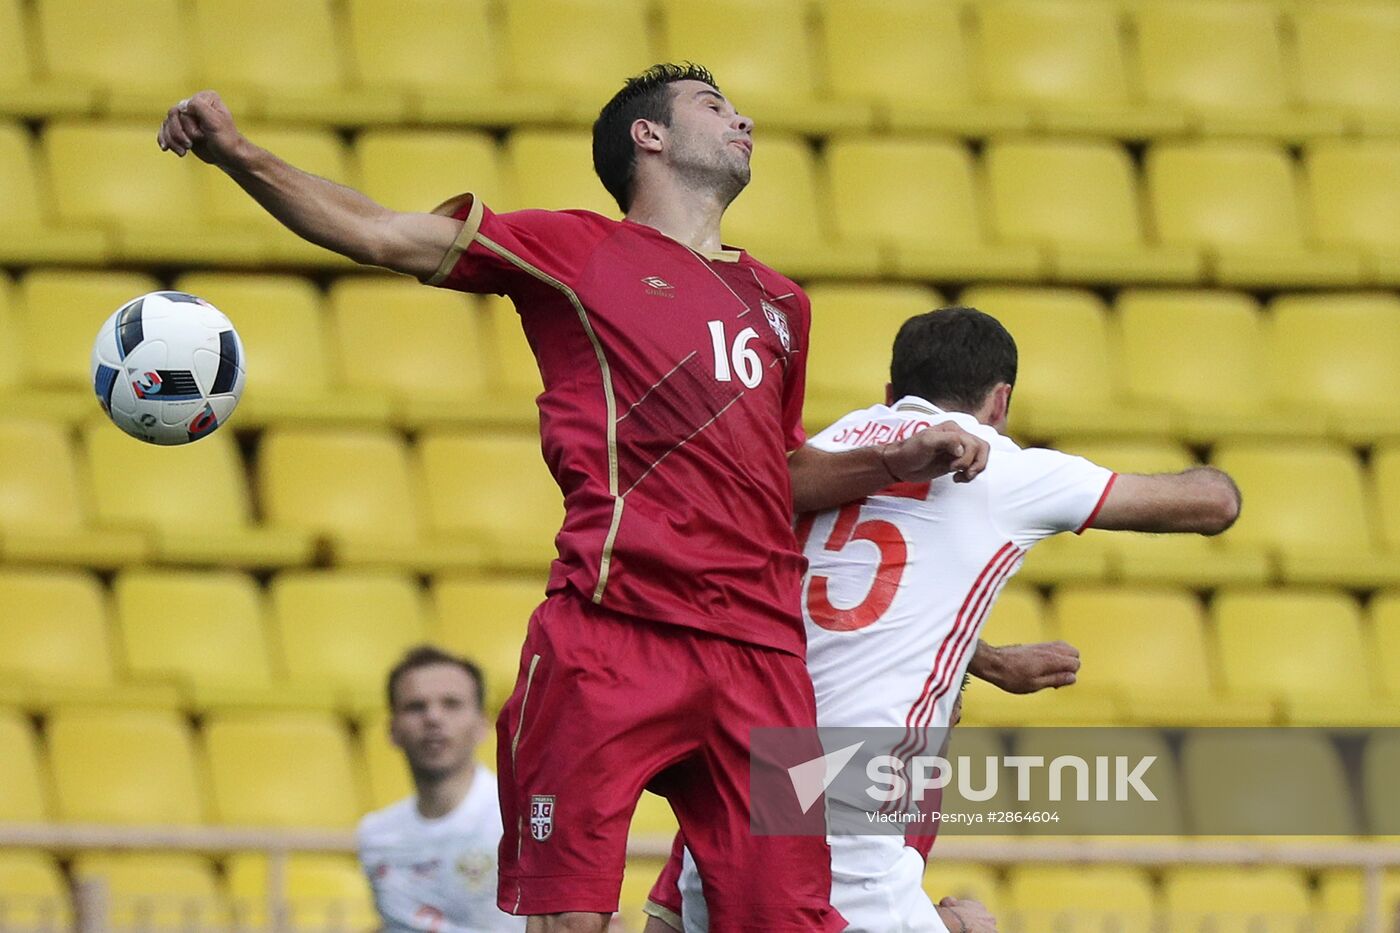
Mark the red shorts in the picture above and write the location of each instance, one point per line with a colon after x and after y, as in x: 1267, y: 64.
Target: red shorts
x: 607, y: 705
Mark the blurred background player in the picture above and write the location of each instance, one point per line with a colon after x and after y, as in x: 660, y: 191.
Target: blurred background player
x: 892, y: 629
x: 431, y: 858
x: 674, y: 373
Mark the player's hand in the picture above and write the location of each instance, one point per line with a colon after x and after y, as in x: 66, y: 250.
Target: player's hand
x: 1027, y: 668
x: 203, y: 125
x: 936, y: 451
x: 964, y: 915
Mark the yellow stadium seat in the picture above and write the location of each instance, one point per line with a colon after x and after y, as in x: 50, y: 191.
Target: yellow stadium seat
x: 1079, y: 810
x: 553, y: 170
x: 963, y: 881
x: 1017, y: 618
x: 1236, y: 88
x: 61, y: 313
x: 1385, y: 629
x: 1174, y: 559
x: 285, y: 61
x: 33, y: 892
x: 485, y: 620
x: 1346, y: 61
x: 1254, y: 899
x: 20, y: 93
x: 1259, y: 634
x: 430, y: 362
x: 1239, y: 202
x: 653, y: 822
x: 1066, y: 63
x: 342, y: 631
x: 137, y: 64
x: 286, y: 337
x: 1327, y: 536
x: 495, y: 490
x: 281, y: 770
x: 43, y: 513
x: 607, y: 42
x: 323, y: 892
x: 1257, y: 781
x: 416, y: 47
x: 783, y: 220
x: 193, y: 500
x: 986, y: 705
x: 129, y: 767
x: 164, y: 889
x: 513, y: 375
x: 317, y: 151
x: 771, y: 74
x: 922, y: 78
x: 111, y: 176
x: 637, y: 881
x: 853, y: 328
x: 1203, y: 356
x: 1351, y: 187
x: 1148, y: 648
x: 921, y: 202
x: 1341, y: 899
x: 1079, y: 201
x: 27, y: 229
x: 24, y: 793
x: 1046, y: 898
x: 416, y: 170
x: 54, y: 628
x: 1380, y: 772
x: 206, y: 633
x: 370, y: 517
x: 1064, y: 383
x: 385, y: 769
x: 1334, y: 354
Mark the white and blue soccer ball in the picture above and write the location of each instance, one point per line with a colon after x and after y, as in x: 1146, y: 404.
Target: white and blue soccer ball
x: 168, y: 368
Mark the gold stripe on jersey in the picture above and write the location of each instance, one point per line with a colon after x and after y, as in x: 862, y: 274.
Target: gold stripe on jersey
x: 664, y: 914
x: 610, y: 400
x: 464, y: 239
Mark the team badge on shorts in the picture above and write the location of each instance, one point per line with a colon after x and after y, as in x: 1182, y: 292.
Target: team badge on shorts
x: 779, y: 322
x: 541, y: 817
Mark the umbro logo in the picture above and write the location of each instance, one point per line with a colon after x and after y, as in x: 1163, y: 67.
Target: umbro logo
x: 658, y: 286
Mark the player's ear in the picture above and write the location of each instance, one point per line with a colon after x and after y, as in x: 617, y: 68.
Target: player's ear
x: 648, y: 135
x: 1001, y: 403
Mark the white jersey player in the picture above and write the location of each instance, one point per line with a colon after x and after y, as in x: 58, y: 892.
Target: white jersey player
x: 899, y: 584
x: 431, y: 858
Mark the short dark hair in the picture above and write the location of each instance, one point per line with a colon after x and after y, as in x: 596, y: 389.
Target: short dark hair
x: 952, y: 357
x: 646, y: 96
x: 428, y: 656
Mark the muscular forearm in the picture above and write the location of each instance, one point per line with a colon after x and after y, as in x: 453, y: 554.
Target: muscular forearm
x: 315, y: 209
x: 823, y: 480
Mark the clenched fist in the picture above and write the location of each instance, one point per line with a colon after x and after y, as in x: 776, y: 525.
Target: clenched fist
x: 935, y: 451
x: 203, y: 125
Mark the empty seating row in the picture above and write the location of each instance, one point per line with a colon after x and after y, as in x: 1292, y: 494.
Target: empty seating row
x: 322, y: 640
x: 1133, y: 69
x: 312, y: 639
x: 1237, y: 213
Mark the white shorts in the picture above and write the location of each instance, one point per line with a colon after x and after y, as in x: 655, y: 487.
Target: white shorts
x: 876, y: 883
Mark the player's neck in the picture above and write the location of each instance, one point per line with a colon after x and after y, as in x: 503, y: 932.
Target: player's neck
x: 688, y: 216
x: 437, y: 797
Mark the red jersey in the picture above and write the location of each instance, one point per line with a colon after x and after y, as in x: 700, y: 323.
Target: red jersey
x: 673, y: 384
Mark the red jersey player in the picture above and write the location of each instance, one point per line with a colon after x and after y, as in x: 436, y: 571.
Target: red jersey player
x: 673, y: 381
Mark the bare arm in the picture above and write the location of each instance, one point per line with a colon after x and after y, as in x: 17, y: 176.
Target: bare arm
x: 315, y: 209
x: 821, y: 479
x: 1025, y: 668
x: 1202, y: 499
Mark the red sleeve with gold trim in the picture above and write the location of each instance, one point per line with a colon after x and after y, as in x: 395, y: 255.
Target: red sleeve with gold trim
x: 500, y: 253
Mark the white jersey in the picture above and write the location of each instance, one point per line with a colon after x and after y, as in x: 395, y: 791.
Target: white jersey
x: 899, y: 584
x: 437, y: 875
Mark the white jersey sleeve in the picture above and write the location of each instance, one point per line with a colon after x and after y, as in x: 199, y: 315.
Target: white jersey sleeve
x: 1043, y: 492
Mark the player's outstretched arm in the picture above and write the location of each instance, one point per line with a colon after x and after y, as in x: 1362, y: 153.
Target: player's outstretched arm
x: 1202, y: 500
x: 964, y: 915
x: 330, y: 215
x: 822, y: 479
x: 1025, y: 668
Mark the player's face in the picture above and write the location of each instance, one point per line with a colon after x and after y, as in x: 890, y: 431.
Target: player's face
x: 436, y: 720
x: 709, y: 142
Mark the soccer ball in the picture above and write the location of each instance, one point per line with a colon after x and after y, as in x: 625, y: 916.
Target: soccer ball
x: 168, y: 368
